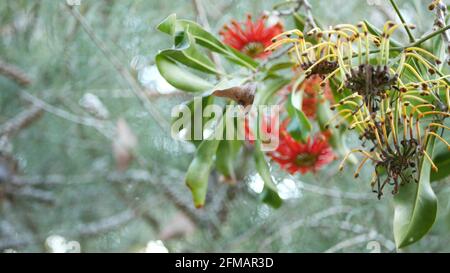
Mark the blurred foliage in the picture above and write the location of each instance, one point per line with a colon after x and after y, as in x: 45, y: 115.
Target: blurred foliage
x: 106, y: 210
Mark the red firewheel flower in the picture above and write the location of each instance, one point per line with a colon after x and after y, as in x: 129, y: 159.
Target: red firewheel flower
x: 251, y: 38
x: 306, y: 157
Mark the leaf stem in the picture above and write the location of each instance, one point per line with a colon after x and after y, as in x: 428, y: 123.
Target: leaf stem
x: 416, y: 43
x: 394, y: 5
x: 429, y: 36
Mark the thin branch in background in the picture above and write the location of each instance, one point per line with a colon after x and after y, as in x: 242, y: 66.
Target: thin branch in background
x: 95, y: 228
x: 14, y: 73
x: 296, y: 5
x: 123, y: 72
x: 315, y: 218
x: 309, y: 17
x: 160, y: 182
x: 90, y: 122
x: 42, y: 196
x: 427, y: 37
x: 309, y: 24
x: 106, y: 224
x: 21, y: 121
x: 402, y: 19
x: 332, y: 192
x: 357, y: 229
x: 357, y: 240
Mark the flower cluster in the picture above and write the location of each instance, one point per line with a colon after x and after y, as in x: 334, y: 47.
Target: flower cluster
x: 292, y: 155
x: 393, y: 97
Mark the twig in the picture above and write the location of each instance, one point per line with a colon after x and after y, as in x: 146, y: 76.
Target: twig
x: 106, y: 224
x: 35, y: 194
x: 309, y: 17
x: 429, y: 36
x: 315, y: 218
x: 95, y: 123
x: 358, y: 229
x: 14, y: 73
x: 310, y: 21
x: 394, y: 5
x: 331, y: 192
x: 83, y: 230
x: 296, y: 6
x: 21, y: 121
x: 359, y: 239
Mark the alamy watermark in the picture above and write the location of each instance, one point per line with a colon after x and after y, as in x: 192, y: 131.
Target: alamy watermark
x: 195, y: 121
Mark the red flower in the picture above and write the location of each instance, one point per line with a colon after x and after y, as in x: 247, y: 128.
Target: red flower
x: 251, y: 38
x: 295, y: 157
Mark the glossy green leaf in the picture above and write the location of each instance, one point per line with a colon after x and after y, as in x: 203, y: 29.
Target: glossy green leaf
x: 299, y: 126
x: 269, y: 195
x: 202, y: 37
x: 415, y: 206
x: 186, y: 52
x: 179, y: 77
x: 442, y: 161
x: 299, y: 21
x: 280, y: 66
x: 168, y: 24
x: 226, y: 157
x: 271, y: 86
x: 198, y: 172
x: 241, y: 59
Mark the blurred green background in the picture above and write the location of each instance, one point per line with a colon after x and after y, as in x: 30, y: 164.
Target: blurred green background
x: 60, y: 187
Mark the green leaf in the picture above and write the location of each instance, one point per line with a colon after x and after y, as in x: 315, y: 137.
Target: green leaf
x: 226, y: 156
x: 179, y: 77
x: 299, y: 21
x: 241, y: 59
x: 280, y: 66
x: 442, y: 161
x: 415, y: 206
x: 269, y: 89
x: 202, y: 37
x: 168, y: 24
x: 186, y: 52
x: 299, y: 126
x: 199, y: 170
x: 269, y: 195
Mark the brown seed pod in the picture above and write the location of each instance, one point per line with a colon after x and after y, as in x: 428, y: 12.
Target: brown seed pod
x: 244, y: 95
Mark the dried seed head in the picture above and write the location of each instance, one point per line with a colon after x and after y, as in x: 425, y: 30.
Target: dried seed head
x: 371, y: 82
